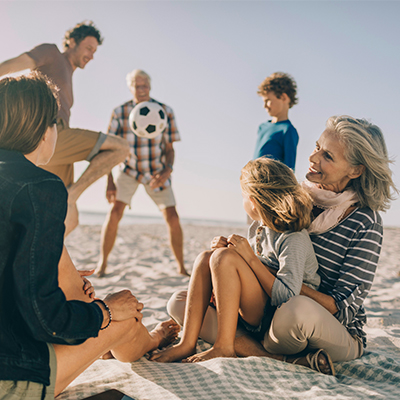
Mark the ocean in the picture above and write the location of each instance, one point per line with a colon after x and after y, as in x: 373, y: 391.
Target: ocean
x: 97, y: 218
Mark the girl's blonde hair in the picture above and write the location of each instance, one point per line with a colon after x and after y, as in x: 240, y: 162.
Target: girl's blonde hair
x: 281, y: 202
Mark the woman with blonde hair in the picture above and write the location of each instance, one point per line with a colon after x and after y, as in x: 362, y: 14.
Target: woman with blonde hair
x: 237, y: 270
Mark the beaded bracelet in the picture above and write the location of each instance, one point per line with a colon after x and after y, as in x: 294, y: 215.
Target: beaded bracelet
x: 109, y: 313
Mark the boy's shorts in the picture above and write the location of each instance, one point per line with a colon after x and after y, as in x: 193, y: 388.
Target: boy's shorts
x: 24, y: 390
x: 127, y: 186
x: 73, y: 145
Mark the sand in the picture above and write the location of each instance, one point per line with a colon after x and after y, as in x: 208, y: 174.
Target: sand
x: 142, y: 262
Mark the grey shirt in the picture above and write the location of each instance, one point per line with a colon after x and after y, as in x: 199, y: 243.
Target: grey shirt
x: 291, y: 254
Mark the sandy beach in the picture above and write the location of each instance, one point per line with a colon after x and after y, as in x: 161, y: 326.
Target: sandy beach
x: 142, y: 262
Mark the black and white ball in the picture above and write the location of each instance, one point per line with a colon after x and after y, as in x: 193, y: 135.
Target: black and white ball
x: 148, y: 120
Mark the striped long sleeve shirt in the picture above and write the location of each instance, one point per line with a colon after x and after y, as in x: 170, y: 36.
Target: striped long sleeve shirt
x: 347, y: 257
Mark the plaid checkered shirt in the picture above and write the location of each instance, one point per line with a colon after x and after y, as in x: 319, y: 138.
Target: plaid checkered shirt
x: 147, y: 156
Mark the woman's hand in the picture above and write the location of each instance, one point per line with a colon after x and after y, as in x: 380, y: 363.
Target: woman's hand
x: 124, y: 305
x: 87, y: 285
x: 219, y: 241
x: 242, y: 247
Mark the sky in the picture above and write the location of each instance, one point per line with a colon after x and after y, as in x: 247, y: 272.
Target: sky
x: 206, y: 60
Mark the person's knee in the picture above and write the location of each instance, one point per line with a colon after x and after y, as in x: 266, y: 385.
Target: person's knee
x: 129, y: 346
x: 292, y: 313
x: 176, y: 306
x: 171, y: 217
x: 117, y: 211
x: 289, y: 324
x: 203, y: 260
x: 117, y: 144
x: 222, y: 257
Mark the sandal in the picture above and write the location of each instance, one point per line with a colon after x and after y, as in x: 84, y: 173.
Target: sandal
x: 315, y: 362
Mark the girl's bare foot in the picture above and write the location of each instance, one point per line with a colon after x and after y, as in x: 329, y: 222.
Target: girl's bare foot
x: 165, y: 333
x: 174, y: 353
x: 214, y: 352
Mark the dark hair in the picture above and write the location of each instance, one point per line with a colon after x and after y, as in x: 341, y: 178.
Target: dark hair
x: 81, y: 31
x: 280, y: 200
x: 280, y: 83
x: 28, y: 106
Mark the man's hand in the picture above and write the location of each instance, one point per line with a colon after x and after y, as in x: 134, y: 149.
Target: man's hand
x: 87, y: 285
x: 160, y: 178
x: 111, y: 190
x: 124, y: 305
x: 219, y: 241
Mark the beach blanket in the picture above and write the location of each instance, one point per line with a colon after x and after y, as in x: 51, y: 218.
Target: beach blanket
x: 376, y: 375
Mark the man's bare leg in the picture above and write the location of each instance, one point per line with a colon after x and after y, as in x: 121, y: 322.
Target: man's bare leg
x: 127, y: 340
x: 109, y: 234
x: 113, y: 151
x: 175, y: 237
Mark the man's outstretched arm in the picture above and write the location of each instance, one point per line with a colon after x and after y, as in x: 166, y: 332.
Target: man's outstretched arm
x: 17, y: 64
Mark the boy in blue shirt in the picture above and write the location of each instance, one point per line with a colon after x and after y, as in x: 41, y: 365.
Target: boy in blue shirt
x: 278, y: 138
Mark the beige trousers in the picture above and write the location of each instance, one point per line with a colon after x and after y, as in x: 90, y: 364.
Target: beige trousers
x: 299, y: 324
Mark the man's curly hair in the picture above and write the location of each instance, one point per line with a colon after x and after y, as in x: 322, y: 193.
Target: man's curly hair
x: 279, y: 83
x: 81, y: 31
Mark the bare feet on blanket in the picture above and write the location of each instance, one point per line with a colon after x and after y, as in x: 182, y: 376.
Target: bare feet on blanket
x: 174, y: 353
x: 165, y: 333
x: 211, y: 353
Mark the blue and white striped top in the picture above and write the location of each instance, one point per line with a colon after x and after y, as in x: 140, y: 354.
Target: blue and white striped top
x: 347, y: 256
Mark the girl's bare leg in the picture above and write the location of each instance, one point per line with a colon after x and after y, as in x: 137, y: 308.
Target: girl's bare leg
x: 199, y: 295
x: 236, y: 289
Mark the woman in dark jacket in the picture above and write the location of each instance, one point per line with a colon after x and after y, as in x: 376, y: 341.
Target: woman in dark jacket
x: 46, y: 318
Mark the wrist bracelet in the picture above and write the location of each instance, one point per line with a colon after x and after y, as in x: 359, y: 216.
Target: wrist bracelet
x: 109, y: 313
x: 170, y: 166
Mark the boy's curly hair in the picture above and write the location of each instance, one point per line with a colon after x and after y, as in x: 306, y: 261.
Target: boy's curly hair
x: 280, y: 200
x: 81, y: 31
x: 279, y: 83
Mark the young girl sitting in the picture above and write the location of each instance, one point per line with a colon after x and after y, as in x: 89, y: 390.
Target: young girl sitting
x: 248, y: 278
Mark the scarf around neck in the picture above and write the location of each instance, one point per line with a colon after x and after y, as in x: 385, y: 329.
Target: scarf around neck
x: 334, y: 205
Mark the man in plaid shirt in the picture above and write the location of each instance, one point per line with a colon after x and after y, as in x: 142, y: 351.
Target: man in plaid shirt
x: 149, y: 163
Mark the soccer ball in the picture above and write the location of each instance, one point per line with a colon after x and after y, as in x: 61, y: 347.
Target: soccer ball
x: 148, y: 120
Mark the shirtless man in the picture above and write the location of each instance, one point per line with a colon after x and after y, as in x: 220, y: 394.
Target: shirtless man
x: 102, y: 151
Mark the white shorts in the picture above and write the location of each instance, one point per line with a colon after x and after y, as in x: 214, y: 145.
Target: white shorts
x: 127, y: 186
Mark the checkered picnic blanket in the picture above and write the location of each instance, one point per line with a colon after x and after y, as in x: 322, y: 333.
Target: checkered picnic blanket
x: 375, y: 376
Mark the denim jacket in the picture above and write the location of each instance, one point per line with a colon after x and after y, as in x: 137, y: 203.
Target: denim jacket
x: 33, y: 309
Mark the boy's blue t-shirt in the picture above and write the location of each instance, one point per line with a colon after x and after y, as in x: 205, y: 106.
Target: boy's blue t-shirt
x: 278, y: 141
